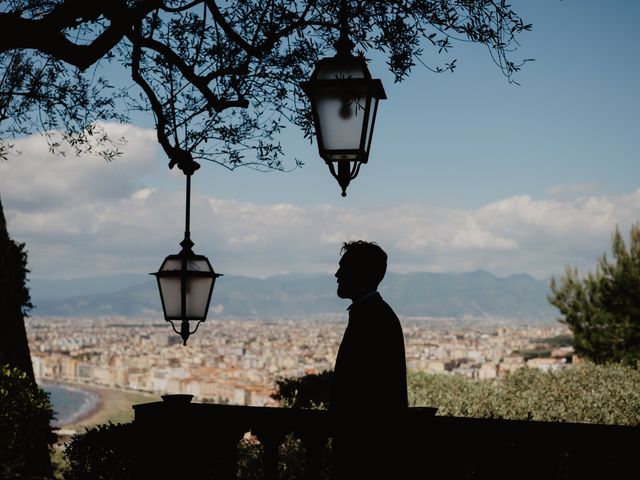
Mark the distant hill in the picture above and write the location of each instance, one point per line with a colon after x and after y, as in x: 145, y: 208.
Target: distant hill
x: 476, y: 294
x: 58, y: 289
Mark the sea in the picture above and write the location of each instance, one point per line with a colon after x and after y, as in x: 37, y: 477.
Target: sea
x: 69, y: 403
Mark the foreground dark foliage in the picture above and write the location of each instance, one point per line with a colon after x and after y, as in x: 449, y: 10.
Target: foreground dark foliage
x: 25, y: 414
x: 110, y: 452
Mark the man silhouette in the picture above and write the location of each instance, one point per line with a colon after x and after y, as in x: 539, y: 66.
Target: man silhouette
x: 369, y: 389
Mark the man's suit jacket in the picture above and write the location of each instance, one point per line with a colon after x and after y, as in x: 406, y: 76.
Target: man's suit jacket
x: 369, y: 395
x: 370, y: 373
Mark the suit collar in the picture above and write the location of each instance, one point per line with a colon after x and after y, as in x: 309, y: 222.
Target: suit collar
x: 362, y: 299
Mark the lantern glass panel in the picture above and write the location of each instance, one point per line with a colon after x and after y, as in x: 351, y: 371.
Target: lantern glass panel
x: 198, y: 290
x: 198, y: 265
x: 341, y: 114
x: 170, y: 288
x: 171, y: 264
x: 373, y: 109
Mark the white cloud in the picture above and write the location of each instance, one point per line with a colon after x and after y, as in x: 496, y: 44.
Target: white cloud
x: 83, y: 217
x: 36, y: 180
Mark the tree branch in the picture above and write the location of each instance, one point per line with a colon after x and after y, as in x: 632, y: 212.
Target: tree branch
x: 231, y: 33
x: 197, y: 81
x: 47, y: 35
x: 177, y: 156
x: 272, y: 39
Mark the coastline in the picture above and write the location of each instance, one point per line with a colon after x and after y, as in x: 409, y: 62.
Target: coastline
x: 93, y: 402
x: 110, y: 405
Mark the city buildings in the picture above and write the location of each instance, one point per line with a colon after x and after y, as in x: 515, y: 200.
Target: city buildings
x: 239, y: 361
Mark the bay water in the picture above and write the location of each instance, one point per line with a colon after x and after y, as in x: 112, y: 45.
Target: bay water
x: 69, y: 403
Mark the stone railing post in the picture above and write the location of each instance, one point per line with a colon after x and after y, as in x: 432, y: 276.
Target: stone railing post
x: 313, y: 428
x: 271, y: 441
x: 313, y: 445
x: 224, y: 451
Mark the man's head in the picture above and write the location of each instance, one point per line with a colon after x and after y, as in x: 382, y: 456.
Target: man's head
x: 362, y: 268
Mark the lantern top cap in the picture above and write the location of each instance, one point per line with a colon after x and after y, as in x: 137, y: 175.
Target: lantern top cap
x: 346, y: 69
x: 341, y: 66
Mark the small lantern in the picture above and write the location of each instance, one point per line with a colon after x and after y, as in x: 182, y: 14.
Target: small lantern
x: 186, y: 280
x: 344, y: 102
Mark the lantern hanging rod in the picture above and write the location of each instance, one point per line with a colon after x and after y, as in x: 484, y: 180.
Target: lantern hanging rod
x: 187, y: 214
x: 185, y: 162
x: 344, y: 45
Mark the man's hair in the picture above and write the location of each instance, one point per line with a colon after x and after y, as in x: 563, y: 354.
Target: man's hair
x: 368, y: 257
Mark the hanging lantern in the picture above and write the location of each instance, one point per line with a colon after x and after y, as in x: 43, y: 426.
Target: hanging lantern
x: 186, y: 280
x: 344, y: 103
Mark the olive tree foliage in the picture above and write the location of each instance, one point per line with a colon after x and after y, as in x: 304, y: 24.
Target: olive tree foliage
x: 221, y: 78
x: 602, y: 309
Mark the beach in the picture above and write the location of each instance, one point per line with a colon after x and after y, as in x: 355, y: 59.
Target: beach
x: 108, y: 405
x: 70, y: 403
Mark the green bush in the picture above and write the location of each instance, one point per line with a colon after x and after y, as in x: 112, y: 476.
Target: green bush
x: 585, y: 393
x: 103, y: 452
x: 309, y: 391
x: 25, y: 416
x: 453, y: 395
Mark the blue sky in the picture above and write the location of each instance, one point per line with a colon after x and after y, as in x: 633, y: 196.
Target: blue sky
x: 467, y: 171
x: 468, y: 138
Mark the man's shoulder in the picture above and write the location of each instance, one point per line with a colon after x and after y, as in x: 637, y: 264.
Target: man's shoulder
x: 378, y: 306
x: 378, y: 298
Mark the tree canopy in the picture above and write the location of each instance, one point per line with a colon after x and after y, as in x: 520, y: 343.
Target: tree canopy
x: 221, y: 78
x: 603, y: 308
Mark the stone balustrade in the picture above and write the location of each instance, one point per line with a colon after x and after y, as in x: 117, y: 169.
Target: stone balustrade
x: 182, y: 440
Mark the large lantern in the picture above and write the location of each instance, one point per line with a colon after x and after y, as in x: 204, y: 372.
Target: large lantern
x: 344, y: 102
x: 186, y: 281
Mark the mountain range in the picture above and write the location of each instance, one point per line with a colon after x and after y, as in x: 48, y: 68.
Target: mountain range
x: 440, y: 295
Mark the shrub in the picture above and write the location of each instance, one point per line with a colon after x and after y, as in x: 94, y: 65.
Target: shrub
x: 308, y: 391
x: 585, y: 393
x: 25, y: 416
x: 453, y: 395
x: 102, y: 452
